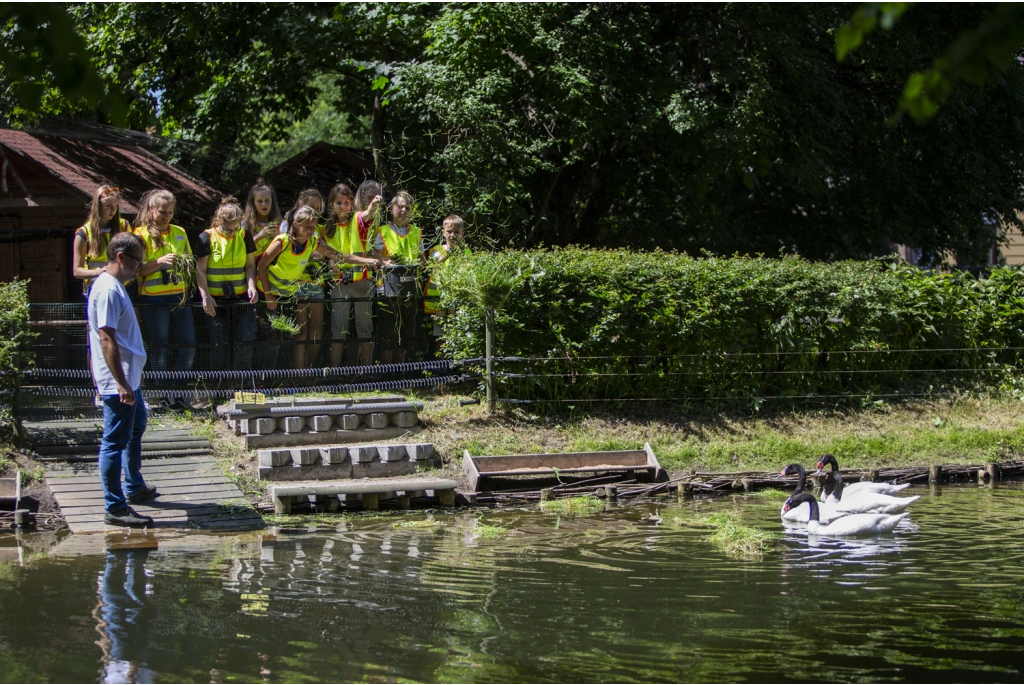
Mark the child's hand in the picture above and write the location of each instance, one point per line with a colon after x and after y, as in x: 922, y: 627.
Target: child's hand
x: 254, y: 296
x: 210, y: 306
x: 271, y: 302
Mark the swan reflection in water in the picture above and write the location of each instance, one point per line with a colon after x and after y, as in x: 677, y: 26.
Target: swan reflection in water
x: 125, y: 616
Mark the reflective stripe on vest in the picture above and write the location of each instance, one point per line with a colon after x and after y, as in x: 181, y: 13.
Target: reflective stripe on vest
x: 225, y: 269
x: 406, y: 247
x: 285, y: 272
x: 346, y: 240
x: 162, y: 281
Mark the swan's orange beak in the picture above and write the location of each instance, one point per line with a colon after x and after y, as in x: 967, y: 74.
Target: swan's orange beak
x: 785, y: 507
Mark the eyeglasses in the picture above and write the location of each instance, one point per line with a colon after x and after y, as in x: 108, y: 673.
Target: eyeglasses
x: 110, y: 191
x: 125, y: 254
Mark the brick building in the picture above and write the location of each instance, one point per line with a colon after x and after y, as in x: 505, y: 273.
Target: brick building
x: 46, y: 184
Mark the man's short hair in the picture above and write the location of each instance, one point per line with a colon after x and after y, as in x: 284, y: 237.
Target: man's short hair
x: 122, y: 242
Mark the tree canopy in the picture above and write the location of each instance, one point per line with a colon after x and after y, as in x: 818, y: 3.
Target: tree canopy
x: 720, y: 127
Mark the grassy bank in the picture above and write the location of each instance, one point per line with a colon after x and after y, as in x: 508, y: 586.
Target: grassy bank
x: 966, y: 429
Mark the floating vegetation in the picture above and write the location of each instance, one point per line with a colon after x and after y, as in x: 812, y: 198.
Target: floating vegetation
x: 489, y: 532
x: 573, y: 506
x: 736, y: 539
x: 285, y: 324
x: 183, y: 271
x: 420, y: 523
x: 772, y: 494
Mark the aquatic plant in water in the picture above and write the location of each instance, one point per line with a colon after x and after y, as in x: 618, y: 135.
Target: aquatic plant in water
x: 573, y: 506
x: 489, y: 532
x: 736, y: 539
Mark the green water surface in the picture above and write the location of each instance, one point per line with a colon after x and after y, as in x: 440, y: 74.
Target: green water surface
x: 595, y: 598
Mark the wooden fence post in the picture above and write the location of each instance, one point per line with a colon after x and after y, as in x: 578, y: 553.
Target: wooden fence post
x: 489, y: 354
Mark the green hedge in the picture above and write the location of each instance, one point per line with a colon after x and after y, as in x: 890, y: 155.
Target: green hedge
x: 657, y: 324
x: 15, y: 340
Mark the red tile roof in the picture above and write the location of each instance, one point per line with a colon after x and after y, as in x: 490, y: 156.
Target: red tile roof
x: 83, y: 164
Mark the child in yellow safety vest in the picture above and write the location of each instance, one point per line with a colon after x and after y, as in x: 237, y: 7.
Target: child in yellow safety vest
x: 453, y: 234
x: 262, y: 216
x: 341, y: 231
x: 161, y: 289
x: 400, y: 243
x: 280, y: 272
x: 89, y: 253
x: 310, y: 294
x: 226, y: 276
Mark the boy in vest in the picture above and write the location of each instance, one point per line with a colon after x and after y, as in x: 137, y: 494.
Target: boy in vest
x: 453, y: 234
x: 118, y: 357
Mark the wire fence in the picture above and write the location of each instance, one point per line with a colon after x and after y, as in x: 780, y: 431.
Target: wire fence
x: 338, y: 346
x: 749, y: 377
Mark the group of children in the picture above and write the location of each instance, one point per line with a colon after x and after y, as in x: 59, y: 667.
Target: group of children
x: 345, y: 248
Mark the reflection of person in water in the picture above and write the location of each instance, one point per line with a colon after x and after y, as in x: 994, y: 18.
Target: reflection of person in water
x: 125, y: 617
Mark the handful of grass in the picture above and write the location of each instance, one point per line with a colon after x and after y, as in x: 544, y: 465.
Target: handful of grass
x: 285, y: 324
x: 489, y: 282
x: 183, y: 271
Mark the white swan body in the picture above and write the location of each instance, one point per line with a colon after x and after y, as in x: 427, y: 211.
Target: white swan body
x: 846, y: 526
x: 856, y: 524
x: 802, y: 513
x: 867, y: 486
x: 871, y: 503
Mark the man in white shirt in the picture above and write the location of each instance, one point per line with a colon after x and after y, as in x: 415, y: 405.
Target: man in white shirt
x: 115, y: 344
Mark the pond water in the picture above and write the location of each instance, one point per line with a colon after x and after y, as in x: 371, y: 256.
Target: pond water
x: 603, y: 597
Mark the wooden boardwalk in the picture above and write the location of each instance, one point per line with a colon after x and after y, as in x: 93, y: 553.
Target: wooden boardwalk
x: 79, y: 439
x: 194, y: 494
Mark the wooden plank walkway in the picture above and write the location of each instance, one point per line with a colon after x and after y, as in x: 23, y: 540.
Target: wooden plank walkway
x: 79, y: 440
x: 194, y: 493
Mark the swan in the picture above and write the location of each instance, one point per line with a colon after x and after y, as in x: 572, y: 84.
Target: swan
x: 862, y: 502
x: 852, y: 524
x: 884, y: 488
x: 800, y: 513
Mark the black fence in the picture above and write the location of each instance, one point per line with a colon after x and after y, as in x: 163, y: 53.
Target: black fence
x: 243, y: 346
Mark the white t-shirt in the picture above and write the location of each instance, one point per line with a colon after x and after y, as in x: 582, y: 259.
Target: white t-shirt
x: 110, y: 307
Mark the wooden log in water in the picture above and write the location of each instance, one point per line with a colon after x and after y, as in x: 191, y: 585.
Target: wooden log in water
x: 992, y: 469
x: 935, y: 473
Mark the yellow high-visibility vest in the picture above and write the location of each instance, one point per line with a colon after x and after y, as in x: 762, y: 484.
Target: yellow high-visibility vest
x: 225, y: 268
x: 346, y: 240
x: 97, y: 261
x: 286, y: 271
x: 162, y: 281
x: 431, y: 291
x: 405, y: 247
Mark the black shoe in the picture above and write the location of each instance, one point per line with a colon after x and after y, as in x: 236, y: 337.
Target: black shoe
x: 148, y: 493
x: 126, y: 517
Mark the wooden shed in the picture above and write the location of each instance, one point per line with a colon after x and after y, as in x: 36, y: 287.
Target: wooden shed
x: 319, y: 166
x: 46, y: 184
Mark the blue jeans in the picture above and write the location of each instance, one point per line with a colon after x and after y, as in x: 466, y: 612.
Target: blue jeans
x: 241, y: 315
x: 163, y: 317
x: 121, y: 447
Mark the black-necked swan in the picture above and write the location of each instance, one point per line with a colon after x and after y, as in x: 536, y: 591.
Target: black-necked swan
x: 800, y: 513
x: 884, y: 488
x: 862, y: 502
x: 847, y: 526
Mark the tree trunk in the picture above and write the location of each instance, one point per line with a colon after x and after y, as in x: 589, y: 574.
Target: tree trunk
x: 380, y: 156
